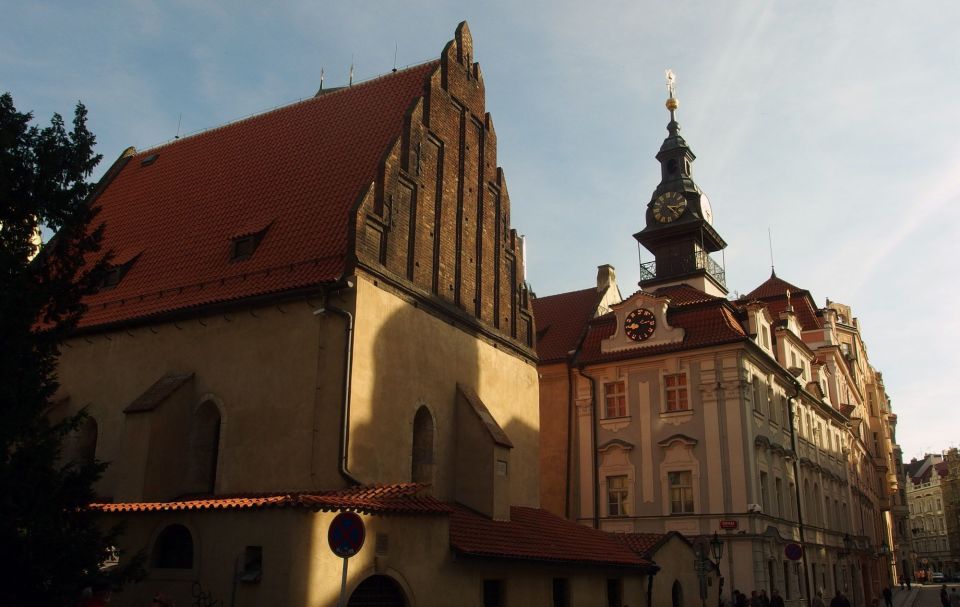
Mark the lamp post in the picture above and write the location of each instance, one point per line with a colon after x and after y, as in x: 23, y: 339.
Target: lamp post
x: 702, y: 550
x: 716, y: 547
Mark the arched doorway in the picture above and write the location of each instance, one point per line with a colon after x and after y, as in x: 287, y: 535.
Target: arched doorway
x: 676, y: 594
x: 378, y: 591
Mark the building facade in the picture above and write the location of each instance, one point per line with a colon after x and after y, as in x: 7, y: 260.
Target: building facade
x: 926, y: 500
x: 321, y: 309
x: 677, y: 408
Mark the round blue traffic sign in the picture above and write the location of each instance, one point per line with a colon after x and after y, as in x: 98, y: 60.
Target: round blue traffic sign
x: 794, y: 552
x: 346, y: 534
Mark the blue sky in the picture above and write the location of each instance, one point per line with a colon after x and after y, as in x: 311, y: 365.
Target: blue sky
x: 833, y: 125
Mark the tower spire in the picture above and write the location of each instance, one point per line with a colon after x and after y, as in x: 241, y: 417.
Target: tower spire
x: 672, y: 102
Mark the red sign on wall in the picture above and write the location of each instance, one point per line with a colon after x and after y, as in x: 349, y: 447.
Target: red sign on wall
x: 728, y: 525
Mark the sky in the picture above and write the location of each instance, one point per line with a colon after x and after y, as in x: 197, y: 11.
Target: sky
x: 830, y: 126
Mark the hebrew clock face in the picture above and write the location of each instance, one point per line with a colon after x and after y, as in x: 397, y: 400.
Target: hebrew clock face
x: 669, y: 206
x: 640, y: 324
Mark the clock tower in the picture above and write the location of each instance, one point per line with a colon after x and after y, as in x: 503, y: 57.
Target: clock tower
x: 679, y: 220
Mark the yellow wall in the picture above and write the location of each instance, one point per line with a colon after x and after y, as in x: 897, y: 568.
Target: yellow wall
x: 276, y: 372
x: 405, y: 358
x: 300, y: 569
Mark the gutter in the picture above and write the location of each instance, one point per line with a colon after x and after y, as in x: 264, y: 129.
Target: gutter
x: 347, y: 375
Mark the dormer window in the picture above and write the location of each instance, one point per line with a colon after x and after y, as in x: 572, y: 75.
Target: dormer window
x: 114, y: 273
x: 245, y: 243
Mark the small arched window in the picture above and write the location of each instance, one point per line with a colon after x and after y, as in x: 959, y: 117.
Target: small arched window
x: 422, y: 464
x: 87, y: 435
x: 204, y: 448
x: 173, y: 549
x: 676, y: 594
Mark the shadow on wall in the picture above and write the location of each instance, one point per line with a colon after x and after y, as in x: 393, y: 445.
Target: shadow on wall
x: 411, y: 414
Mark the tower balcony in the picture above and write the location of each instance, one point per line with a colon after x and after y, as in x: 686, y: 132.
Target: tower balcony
x: 681, y: 265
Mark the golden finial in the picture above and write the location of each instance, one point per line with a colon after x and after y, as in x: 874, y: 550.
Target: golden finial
x: 672, y: 103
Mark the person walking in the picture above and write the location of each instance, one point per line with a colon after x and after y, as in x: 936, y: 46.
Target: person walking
x: 818, y: 600
x: 944, y: 599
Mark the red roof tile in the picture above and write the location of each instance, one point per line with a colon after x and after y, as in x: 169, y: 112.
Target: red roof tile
x: 771, y: 287
x: 535, y: 534
x: 706, y: 325
x: 561, y: 320
x: 642, y: 543
x: 683, y: 294
x: 773, y: 292
x: 400, y: 498
x: 299, y: 169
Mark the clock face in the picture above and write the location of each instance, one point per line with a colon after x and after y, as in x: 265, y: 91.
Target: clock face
x: 706, y: 209
x: 640, y: 324
x: 668, y: 206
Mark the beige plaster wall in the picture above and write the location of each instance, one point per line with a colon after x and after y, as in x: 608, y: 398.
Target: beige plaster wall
x: 676, y: 558
x: 274, y: 371
x: 555, y: 447
x: 405, y: 358
x: 300, y: 569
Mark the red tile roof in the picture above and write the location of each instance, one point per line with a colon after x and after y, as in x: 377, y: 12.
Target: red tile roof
x: 399, y: 498
x: 773, y: 293
x: 535, y: 534
x: 561, y: 320
x: 643, y: 544
x: 705, y: 325
x: 299, y: 169
x: 683, y: 294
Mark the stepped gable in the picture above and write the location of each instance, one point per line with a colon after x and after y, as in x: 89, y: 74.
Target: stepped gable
x: 533, y: 534
x: 291, y: 175
x: 773, y: 293
x: 561, y: 320
x: 707, y: 321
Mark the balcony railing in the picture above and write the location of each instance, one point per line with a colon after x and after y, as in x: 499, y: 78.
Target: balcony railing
x: 684, y: 264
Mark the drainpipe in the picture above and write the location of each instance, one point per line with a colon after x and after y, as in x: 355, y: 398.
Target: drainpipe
x: 571, y: 414
x: 796, y: 473
x: 325, y: 306
x: 596, y: 463
x: 650, y: 587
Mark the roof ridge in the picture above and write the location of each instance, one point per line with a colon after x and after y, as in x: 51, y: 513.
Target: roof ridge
x: 266, y: 112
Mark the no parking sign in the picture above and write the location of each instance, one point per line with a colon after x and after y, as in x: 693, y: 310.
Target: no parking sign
x: 345, y: 537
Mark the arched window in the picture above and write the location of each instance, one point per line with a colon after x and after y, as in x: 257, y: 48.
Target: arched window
x: 173, y: 549
x: 204, y: 447
x: 379, y: 591
x: 87, y: 435
x: 422, y: 464
x: 676, y: 594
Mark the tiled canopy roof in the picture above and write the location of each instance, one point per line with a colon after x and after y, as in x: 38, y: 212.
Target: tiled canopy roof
x: 298, y: 169
x: 534, y: 534
x: 399, y: 498
x: 560, y: 322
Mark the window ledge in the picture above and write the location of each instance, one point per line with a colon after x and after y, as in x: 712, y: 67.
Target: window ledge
x: 677, y: 417
x: 615, y: 423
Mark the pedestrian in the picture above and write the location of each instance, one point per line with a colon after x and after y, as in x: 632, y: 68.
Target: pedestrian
x: 944, y: 599
x: 764, y: 599
x: 818, y: 600
x: 887, y: 596
x: 754, y: 599
x: 775, y: 599
x: 907, y: 576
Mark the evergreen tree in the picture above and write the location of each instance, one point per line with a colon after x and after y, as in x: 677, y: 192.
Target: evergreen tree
x: 51, y: 546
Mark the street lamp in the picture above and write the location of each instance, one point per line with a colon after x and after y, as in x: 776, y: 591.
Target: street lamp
x: 716, y: 545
